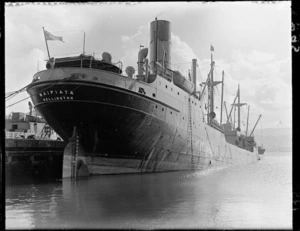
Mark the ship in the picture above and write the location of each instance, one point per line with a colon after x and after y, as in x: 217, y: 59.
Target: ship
x: 151, y: 121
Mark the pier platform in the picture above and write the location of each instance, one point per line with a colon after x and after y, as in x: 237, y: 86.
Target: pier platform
x: 33, y: 158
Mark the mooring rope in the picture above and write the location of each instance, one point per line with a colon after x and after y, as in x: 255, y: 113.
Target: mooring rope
x: 65, y: 79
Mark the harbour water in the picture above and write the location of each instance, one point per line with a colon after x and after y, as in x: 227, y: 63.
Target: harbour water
x: 252, y: 196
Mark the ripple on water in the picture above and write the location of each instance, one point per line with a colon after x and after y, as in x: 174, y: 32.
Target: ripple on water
x: 257, y: 195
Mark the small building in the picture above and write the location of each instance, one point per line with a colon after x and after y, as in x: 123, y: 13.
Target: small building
x: 16, y: 122
x: 20, y: 124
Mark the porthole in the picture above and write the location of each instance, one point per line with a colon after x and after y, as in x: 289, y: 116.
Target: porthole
x: 177, y: 93
x: 153, y: 94
x: 166, y: 86
x: 171, y: 112
x: 155, y: 106
x: 162, y: 109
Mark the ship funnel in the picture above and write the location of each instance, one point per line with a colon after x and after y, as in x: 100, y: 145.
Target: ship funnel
x: 194, y: 75
x: 160, y: 43
x: 141, y: 56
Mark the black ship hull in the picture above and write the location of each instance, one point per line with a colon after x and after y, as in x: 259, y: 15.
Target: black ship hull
x: 110, y: 121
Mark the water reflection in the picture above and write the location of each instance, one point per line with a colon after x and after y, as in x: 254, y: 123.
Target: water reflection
x: 247, y: 196
x: 28, y: 203
x: 128, y: 199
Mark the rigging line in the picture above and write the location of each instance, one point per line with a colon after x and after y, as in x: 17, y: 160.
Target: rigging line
x: 18, y: 91
x: 65, y: 79
x: 182, y: 63
x: 261, y: 132
x: 12, y: 96
x: 217, y: 90
x: 243, y: 112
x: 199, y: 74
x: 17, y: 102
x: 7, y: 95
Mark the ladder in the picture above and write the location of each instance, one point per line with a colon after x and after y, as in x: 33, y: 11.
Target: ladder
x: 46, y: 132
x: 190, y: 131
x: 74, y: 156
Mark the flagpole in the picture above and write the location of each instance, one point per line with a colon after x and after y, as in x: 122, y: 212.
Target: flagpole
x: 46, y: 44
x: 83, y: 42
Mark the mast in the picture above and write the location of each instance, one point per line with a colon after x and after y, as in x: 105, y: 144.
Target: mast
x: 226, y: 111
x: 163, y: 61
x: 247, y: 121
x: 222, y: 97
x: 234, y: 117
x: 156, y: 46
x: 238, y: 105
x: 239, y: 109
x: 232, y: 108
x: 194, y: 74
x: 83, y: 42
x: 211, y: 94
x: 261, y: 142
x: 205, y: 84
x: 255, y: 125
x: 211, y: 115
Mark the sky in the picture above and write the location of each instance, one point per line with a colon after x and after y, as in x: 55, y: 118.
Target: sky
x: 251, y: 40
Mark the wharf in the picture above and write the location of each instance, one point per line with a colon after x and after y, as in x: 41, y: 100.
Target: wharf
x: 33, y: 157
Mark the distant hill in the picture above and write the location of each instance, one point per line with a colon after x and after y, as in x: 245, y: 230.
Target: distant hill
x: 274, y: 139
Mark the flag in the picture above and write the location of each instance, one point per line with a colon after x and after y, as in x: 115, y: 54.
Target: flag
x: 211, y: 48
x: 50, y: 36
